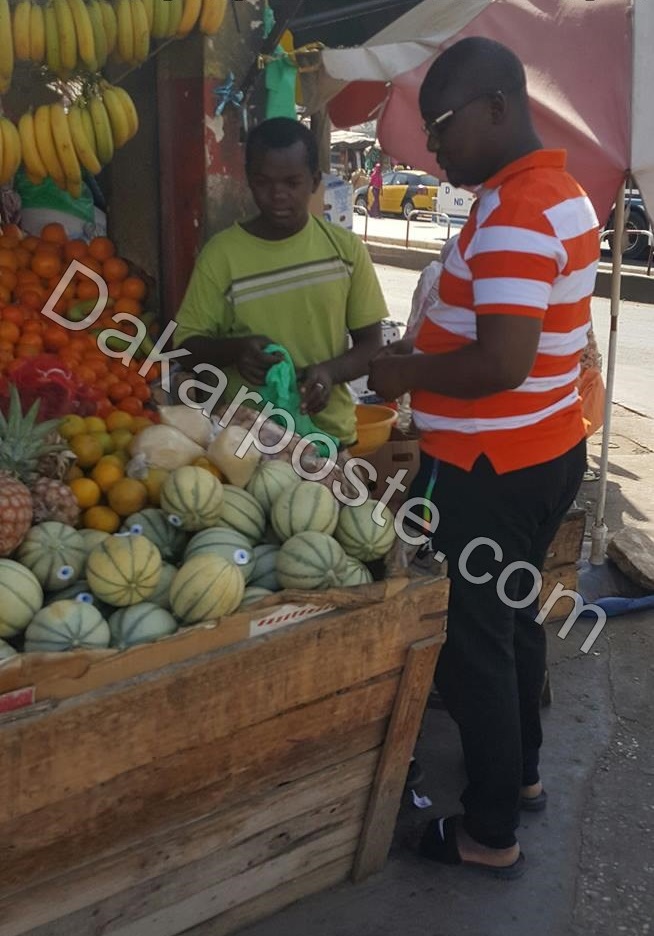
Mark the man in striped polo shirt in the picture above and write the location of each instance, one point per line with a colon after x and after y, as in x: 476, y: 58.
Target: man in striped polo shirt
x: 493, y: 379
x: 286, y: 277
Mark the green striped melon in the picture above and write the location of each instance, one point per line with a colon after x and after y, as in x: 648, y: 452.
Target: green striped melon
x: 191, y: 498
x: 7, y: 652
x: 67, y: 625
x: 92, y: 538
x: 140, y: 624
x: 306, y: 507
x: 310, y: 561
x: 206, y: 588
x: 243, y: 513
x: 361, y: 536
x: 155, y: 526
x: 355, y: 573
x: 55, y: 553
x: 124, y: 570
x: 161, y: 595
x: 21, y: 596
x: 269, y: 480
x: 265, y: 567
x: 253, y: 596
x: 225, y: 542
x: 80, y: 591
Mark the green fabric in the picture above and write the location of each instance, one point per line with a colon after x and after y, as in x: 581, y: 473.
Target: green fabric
x: 304, y: 292
x: 281, y: 80
x: 48, y: 195
x: 281, y: 390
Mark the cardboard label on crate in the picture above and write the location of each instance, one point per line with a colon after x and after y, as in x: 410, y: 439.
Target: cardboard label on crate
x: 18, y: 699
x: 276, y: 618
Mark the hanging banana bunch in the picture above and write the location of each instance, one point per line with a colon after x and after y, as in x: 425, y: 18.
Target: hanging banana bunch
x: 212, y: 16
x: 10, y: 150
x: 6, y: 47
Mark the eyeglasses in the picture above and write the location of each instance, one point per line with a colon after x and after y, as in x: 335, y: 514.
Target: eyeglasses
x: 433, y: 128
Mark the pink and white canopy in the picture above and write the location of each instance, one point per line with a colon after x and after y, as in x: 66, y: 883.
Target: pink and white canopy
x: 590, y: 72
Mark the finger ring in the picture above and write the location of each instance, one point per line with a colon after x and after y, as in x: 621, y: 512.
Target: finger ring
x: 321, y: 385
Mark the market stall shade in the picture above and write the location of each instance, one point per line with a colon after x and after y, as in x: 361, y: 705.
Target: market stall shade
x: 589, y: 69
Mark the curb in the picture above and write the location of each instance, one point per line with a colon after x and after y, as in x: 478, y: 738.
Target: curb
x: 636, y: 286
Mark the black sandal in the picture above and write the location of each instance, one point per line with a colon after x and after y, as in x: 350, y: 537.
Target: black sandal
x: 534, y: 803
x: 439, y: 844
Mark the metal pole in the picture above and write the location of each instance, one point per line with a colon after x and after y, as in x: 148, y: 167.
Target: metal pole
x: 600, y: 530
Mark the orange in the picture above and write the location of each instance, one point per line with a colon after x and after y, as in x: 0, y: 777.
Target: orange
x: 154, y: 481
x: 127, y: 496
x: 101, y: 248
x: 87, y: 449
x: 75, y: 250
x: 54, y: 338
x: 131, y: 405
x: 8, y: 278
x: 30, y: 243
x: 129, y: 306
x: 94, y: 424
x: 140, y: 422
x: 101, y: 518
x: 120, y: 420
x: 115, y: 269
x: 73, y: 473
x: 46, y: 265
x: 54, y: 234
x: 23, y: 257
x: 8, y: 259
x: 71, y: 426
x: 118, y: 391
x: 87, y: 492
x: 12, y: 313
x: 134, y: 288
x: 108, y: 472
x: 203, y: 462
x: 87, y: 289
x: 10, y: 333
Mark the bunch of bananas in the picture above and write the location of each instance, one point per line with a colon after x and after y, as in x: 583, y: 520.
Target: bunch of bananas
x: 177, y: 18
x: 58, y: 144
x: 10, y: 150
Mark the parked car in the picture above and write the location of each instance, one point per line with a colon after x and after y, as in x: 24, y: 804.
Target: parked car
x: 637, y: 244
x: 405, y: 190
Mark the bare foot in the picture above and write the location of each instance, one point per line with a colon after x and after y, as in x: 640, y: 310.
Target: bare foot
x: 470, y: 850
x: 531, y: 792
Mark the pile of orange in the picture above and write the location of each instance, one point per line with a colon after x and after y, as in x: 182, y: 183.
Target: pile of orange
x: 30, y: 269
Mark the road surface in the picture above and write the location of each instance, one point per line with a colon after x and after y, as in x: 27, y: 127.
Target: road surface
x: 634, y: 383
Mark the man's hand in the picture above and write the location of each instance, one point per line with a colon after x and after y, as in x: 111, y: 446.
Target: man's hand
x: 388, y: 376
x: 316, y: 385
x: 252, y: 363
x: 404, y: 346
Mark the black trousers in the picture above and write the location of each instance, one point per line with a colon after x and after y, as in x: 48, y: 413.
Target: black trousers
x: 491, y: 670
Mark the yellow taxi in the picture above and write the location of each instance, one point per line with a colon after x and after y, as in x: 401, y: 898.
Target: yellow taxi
x: 404, y: 191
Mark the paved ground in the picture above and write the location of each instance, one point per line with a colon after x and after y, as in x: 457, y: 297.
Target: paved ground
x: 591, y: 856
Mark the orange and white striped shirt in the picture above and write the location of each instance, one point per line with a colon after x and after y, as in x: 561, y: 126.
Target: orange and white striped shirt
x: 530, y: 247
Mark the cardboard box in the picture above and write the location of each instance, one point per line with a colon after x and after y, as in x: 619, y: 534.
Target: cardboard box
x: 401, y: 452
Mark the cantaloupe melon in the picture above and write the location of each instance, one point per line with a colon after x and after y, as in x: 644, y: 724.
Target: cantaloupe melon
x: 306, y: 507
x: 55, y: 553
x: 161, y: 595
x: 269, y: 480
x: 242, y: 513
x: 80, y: 591
x: 225, y: 542
x: 191, y: 498
x: 21, y: 596
x: 7, y: 652
x: 310, y: 561
x: 124, y: 570
x: 141, y: 623
x: 92, y: 538
x: 355, y: 574
x: 154, y: 525
x: 361, y: 536
x: 265, y: 567
x: 254, y: 596
x: 67, y: 625
x: 206, y: 588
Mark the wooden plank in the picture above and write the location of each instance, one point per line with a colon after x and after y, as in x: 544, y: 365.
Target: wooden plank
x: 386, y: 795
x: 193, y: 784
x: 274, y: 900
x: 146, y: 720
x: 567, y: 544
x: 95, y: 886
x: 566, y: 576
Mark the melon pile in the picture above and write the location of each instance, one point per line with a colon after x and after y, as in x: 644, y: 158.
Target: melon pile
x: 209, y: 550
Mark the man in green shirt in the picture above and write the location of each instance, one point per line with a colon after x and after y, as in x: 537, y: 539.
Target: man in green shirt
x: 286, y: 277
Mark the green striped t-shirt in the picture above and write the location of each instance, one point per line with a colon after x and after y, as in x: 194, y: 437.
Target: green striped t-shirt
x: 304, y: 292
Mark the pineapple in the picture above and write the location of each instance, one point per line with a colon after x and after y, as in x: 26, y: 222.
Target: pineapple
x: 24, y: 445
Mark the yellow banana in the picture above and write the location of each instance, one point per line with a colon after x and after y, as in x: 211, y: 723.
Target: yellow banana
x: 64, y: 145
x: 149, y: 12
x: 11, y: 151
x: 129, y: 108
x: 110, y: 25
x: 46, y: 145
x: 21, y: 30
x: 52, y: 45
x: 117, y: 116
x: 160, y: 18
x: 99, y: 35
x: 67, y: 36
x: 89, y: 130
x: 175, y: 14
x: 37, y: 34
x: 84, y: 147
x: 141, y: 31
x: 35, y: 166
x: 6, y: 47
x: 102, y: 126
x: 125, y: 44
x: 190, y: 17
x: 212, y: 16
x: 84, y: 34
x: 74, y: 189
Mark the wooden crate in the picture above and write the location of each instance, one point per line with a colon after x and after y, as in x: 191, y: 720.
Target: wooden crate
x: 203, y: 783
